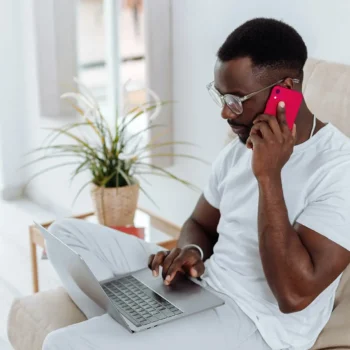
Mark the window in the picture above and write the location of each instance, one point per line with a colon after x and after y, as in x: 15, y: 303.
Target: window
x: 92, y: 46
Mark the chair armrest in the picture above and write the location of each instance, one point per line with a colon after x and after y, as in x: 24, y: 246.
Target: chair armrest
x: 161, y: 224
x: 169, y: 244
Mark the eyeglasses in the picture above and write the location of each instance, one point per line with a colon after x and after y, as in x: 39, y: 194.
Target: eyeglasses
x: 235, y: 103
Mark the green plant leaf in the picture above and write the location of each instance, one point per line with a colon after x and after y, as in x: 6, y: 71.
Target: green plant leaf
x: 156, y: 145
x: 138, y: 107
x: 148, y: 109
x: 76, y: 149
x: 144, y: 130
x: 81, y: 190
x: 110, y: 177
x: 102, y: 160
x: 179, y: 155
x: 126, y: 177
x: 149, y: 147
x: 77, y: 96
x: 78, y: 109
x: 104, y: 127
x: 81, y: 142
x: 79, y: 169
x: 158, y: 136
x: 149, y: 197
x: 46, y: 170
x: 170, y: 175
x: 54, y: 147
x: 153, y: 173
x: 137, y: 150
x: 55, y: 134
x: 144, y: 179
x: 141, y: 109
x: 84, y: 90
x: 98, y: 128
x: 47, y: 157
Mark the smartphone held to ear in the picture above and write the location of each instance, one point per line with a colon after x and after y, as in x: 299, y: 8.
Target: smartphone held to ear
x: 292, y: 100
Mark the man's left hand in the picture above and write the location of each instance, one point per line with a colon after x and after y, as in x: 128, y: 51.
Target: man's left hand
x: 272, y: 143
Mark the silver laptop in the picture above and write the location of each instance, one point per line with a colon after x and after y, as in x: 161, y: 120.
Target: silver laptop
x: 137, y: 301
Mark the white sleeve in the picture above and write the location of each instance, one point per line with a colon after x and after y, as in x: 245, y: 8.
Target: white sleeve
x: 328, y: 212
x: 211, y: 191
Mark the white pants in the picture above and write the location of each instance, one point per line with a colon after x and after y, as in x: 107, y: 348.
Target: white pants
x: 108, y: 252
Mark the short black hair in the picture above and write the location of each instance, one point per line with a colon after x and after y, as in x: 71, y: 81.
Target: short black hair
x: 268, y: 42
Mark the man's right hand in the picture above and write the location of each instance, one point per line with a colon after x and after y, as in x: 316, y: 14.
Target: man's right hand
x: 184, y: 261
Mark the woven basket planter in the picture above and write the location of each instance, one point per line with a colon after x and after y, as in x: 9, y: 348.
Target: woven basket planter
x: 115, y: 206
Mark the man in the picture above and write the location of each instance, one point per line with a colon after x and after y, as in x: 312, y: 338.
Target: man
x: 273, y: 224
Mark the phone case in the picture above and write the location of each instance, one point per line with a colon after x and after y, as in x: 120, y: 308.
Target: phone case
x: 291, y: 98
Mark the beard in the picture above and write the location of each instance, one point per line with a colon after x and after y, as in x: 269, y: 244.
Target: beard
x: 243, y: 138
x: 242, y: 131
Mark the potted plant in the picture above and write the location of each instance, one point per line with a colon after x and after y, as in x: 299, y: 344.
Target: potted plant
x: 115, y: 157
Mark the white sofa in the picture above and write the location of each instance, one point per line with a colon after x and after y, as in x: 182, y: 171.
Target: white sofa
x: 327, y: 91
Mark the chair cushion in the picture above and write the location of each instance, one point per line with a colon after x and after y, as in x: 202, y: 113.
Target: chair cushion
x: 336, y: 334
x: 33, y: 317
x: 326, y: 91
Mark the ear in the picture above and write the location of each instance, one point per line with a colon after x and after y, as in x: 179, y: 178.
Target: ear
x: 288, y: 83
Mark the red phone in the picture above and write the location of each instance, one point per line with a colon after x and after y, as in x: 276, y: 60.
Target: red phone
x: 291, y: 98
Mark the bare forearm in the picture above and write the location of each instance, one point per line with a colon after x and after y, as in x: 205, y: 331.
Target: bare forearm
x: 286, y: 262
x: 193, y: 233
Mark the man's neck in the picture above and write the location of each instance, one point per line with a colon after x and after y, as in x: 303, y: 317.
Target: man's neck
x: 304, y: 124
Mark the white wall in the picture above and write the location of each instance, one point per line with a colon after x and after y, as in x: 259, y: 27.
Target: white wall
x: 38, y: 63
x: 199, y: 28
x: 55, y: 26
x: 17, y: 100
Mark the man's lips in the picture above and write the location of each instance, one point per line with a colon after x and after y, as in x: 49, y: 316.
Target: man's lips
x: 238, y: 129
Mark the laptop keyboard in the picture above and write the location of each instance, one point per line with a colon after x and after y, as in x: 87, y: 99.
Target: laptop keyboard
x: 138, y: 303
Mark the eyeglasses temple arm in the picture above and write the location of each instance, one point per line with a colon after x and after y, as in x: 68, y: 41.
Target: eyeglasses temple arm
x: 244, y: 98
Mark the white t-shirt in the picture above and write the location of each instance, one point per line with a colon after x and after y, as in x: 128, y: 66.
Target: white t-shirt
x: 316, y: 187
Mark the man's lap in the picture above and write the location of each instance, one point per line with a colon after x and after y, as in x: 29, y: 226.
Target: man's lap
x: 108, y: 253
x: 212, y: 329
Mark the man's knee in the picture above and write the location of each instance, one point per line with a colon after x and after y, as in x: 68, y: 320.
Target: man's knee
x: 60, y: 226
x: 57, y: 340
x: 65, y: 230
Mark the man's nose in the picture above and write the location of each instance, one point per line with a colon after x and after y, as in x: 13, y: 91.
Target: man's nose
x: 226, y: 113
